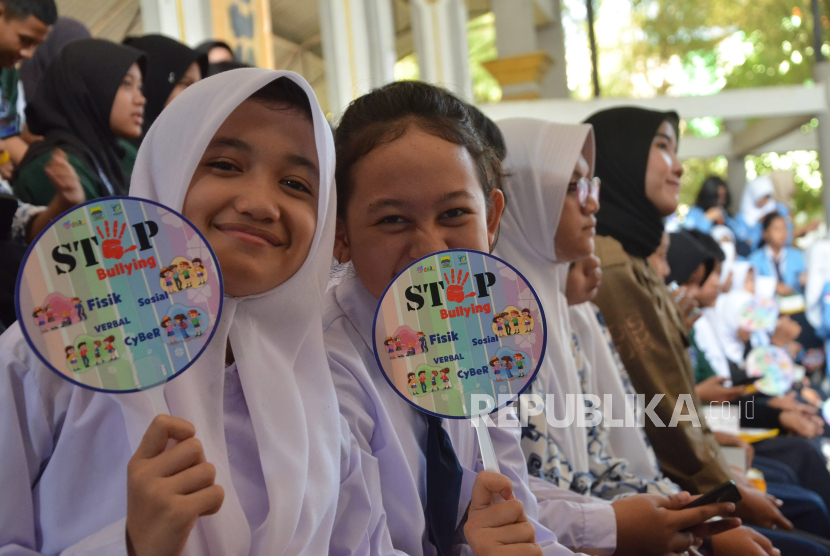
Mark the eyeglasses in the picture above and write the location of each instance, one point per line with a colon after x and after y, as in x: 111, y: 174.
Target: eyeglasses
x: 586, y: 188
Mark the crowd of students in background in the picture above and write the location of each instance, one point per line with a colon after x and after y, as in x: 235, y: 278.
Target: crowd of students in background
x: 283, y: 438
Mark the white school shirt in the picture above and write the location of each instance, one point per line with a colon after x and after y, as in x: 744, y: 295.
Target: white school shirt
x: 63, y: 467
x: 394, y: 433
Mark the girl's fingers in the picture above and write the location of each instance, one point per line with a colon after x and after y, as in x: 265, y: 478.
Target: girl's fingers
x: 487, y: 484
x: 705, y: 530
x: 684, y: 519
x: 681, y: 542
x: 500, y: 515
x: 162, y: 429
x: 194, y: 479
x: 206, y: 501
x: 516, y: 533
x: 183, y: 455
x: 527, y: 549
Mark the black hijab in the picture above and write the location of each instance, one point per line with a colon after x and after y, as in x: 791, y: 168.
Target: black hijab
x: 72, y: 104
x: 207, y: 46
x: 167, y: 62
x: 64, y: 31
x: 686, y: 254
x: 623, y: 143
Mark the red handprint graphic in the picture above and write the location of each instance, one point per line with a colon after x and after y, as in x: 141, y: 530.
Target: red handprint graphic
x: 111, y: 246
x: 455, y: 291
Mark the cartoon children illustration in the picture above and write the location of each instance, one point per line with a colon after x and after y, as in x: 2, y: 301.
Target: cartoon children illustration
x: 422, y: 339
x: 422, y: 378
x: 79, y: 308
x: 113, y: 353
x: 50, y: 317
x: 445, y: 378
x: 83, y: 350
x: 40, y: 315
x: 499, y: 322
x: 413, y: 384
x: 434, y: 381
x: 390, y: 346
x: 98, y: 359
x: 398, y: 346
x: 185, y: 266
x: 174, y: 268
x: 506, y: 318
x: 514, y: 319
x: 507, y: 364
x: 66, y: 318
x: 520, y: 364
x: 528, y: 320
x: 168, y: 280
x: 72, y: 358
x: 194, y: 320
x: 181, y: 324
x: 167, y: 324
x: 494, y: 362
x: 411, y: 350
x: 200, y: 271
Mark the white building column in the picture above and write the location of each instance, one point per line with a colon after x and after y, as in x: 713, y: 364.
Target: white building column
x: 531, y: 46
x: 358, y: 39
x: 188, y: 21
x: 735, y: 167
x: 440, y: 31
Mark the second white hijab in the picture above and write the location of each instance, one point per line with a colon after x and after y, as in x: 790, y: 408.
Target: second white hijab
x: 540, y: 161
x: 756, y: 190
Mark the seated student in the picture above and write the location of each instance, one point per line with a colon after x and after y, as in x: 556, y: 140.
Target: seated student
x: 758, y: 201
x: 636, y: 160
x: 606, y: 375
x: 171, y: 68
x: 25, y: 24
x: 629, y: 445
x: 805, y: 507
x: 710, y: 208
x: 548, y: 224
x: 89, y: 99
x: 413, y: 178
x: 262, y: 458
x: 774, y: 258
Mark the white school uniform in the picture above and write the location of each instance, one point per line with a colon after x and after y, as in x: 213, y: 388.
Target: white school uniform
x: 290, y: 469
x: 394, y: 432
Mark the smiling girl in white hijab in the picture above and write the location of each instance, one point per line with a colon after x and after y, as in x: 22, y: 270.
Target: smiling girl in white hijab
x: 255, y: 175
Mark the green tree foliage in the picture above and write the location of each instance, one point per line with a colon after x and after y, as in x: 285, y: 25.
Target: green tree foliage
x: 481, y: 42
x: 733, y: 44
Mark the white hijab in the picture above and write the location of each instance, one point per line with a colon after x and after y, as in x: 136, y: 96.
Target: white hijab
x: 723, y: 235
x: 754, y: 191
x: 729, y: 255
x: 276, y: 337
x: 818, y: 274
x: 540, y: 161
x: 728, y: 308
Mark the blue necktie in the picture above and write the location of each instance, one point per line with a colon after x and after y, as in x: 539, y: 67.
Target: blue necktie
x: 443, y: 487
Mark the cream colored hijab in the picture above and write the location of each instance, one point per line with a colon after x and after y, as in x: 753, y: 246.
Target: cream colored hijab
x: 277, y: 341
x: 541, y: 157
